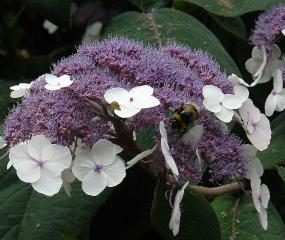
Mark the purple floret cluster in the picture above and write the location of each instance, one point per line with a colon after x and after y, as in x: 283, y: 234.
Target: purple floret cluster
x: 268, y: 27
x: 177, y: 75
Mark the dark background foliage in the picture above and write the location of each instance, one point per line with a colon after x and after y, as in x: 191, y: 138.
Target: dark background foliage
x: 136, y: 209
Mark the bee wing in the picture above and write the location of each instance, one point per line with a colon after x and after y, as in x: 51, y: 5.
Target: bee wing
x: 193, y: 136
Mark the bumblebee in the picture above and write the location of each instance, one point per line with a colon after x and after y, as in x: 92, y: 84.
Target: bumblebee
x: 185, y: 115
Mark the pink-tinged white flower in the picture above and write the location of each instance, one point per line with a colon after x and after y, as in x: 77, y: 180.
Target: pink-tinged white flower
x: 261, y: 66
x: 20, y: 90
x: 54, y: 83
x: 140, y: 156
x: 99, y: 167
x: 276, y: 99
x: 174, y: 223
x: 40, y: 163
x: 169, y: 161
x: 128, y: 103
x: 221, y: 104
x: 256, y: 125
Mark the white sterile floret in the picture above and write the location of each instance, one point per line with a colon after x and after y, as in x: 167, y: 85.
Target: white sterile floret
x: 55, y: 83
x: 99, y: 167
x: 261, y: 66
x: 276, y: 99
x: 40, y: 163
x: 256, y: 125
x: 20, y: 90
x: 128, y: 103
x: 174, y: 223
x: 221, y: 104
x: 3, y: 144
x: 283, y: 32
x: 169, y: 161
x: 50, y: 27
x: 140, y: 156
x: 240, y: 87
x: 253, y: 165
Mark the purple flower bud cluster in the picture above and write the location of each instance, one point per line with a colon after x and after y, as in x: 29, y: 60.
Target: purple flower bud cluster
x: 268, y: 27
x: 177, y: 75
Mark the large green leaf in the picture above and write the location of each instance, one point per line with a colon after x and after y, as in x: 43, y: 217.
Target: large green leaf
x: 147, y: 4
x: 28, y: 215
x: 233, y: 8
x: 165, y: 25
x: 275, y: 153
x: 198, y: 220
x: 239, y: 220
x: 57, y: 11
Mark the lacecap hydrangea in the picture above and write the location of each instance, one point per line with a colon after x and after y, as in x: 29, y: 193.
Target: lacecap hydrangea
x: 177, y: 75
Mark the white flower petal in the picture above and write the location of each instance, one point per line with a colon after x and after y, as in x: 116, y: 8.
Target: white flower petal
x: 140, y: 156
x: 231, y: 101
x: 262, y: 215
x: 213, y: 93
x: 115, y: 173
x: 283, y: 32
x: 28, y: 172
x: 52, y: 87
x: 212, y: 106
x: 237, y: 81
x: 225, y: 115
x: 169, y: 161
x: 270, y: 104
x: 48, y: 184
x: 36, y: 148
x: 162, y: 131
x: 265, y: 195
x: 277, y: 81
x: 3, y: 144
x: 18, y: 93
x: 255, y: 183
x: 65, y: 81
x: 118, y: 95
x: 9, y: 164
x: 127, y: 111
x: 103, y: 152
x: 94, y: 183
x: 145, y: 102
x: 50, y: 27
x: 83, y: 164
x: 249, y: 113
x: 280, y: 101
x: 51, y: 79
x: 241, y: 92
x: 141, y: 91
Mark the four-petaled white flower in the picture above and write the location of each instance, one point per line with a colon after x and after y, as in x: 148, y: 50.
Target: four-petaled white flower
x: 99, y: 167
x: 261, y: 66
x: 169, y: 161
x: 174, y: 223
x: 128, y: 103
x: 40, y: 163
x: 20, y: 90
x: 50, y: 27
x: 256, y: 125
x: 276, y: 99
x: 221, y: 104
x: 2, y: 143
x: 56, y: 83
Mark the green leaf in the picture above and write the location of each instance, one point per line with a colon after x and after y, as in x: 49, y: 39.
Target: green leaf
x: 56, y: 11
x: 275, y: 153
x: 146, y: 5
x: 238, y: 218
x: 233, y: 25
x: 233, y: 8
x: 165, y: 25
x: 28, y: 215
x: 281, y: 171
x: 198, y: 220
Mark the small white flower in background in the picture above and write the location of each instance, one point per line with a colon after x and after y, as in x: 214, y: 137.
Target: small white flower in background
x: 40, y: 163
x: 99, y: 167
x: 140, y: 156
x: 276, y: 99
x: 20, y: 90
x: 221, y: 104
x: 256, y: 125
x: 56, y: 83
x: 49, y: 26
x: 3, y: 144
x: 283, y: 32
x: 174, y: 223
x: 261, y: 66
x: 169, y: 161
x: 128, y: 103
x: 240, y: 87
x: 260, y: 192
